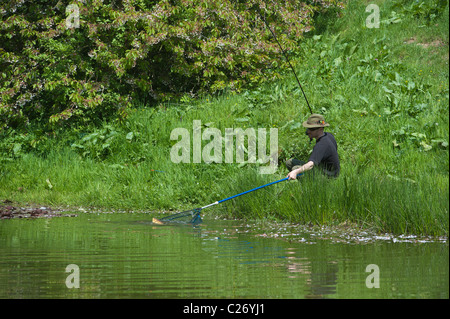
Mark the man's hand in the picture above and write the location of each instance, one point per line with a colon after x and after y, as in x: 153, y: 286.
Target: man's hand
x: 292, y: 175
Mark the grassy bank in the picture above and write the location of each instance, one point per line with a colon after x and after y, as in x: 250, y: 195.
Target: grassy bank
x: 384, y: 91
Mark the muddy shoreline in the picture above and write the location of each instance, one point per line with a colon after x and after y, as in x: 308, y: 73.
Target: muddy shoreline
x: 11, y: 210
x: 344, y: 233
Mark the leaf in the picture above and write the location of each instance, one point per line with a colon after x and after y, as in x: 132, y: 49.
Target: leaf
x: 242, y: 164
x: 90, y: 137
x: 339, y: 98
x: 393, y: 177
x: 74, y: 145
x: 441, y: 142
x: 116, y: 166
x: 295, y: 125
x: 396, y: 178
x: 17, y: 147
x: 130, y: 136
x: 352, y: 49
x: 398, y: 79
x: 49, y: 184
x: 337, y: 61
x: 240, y: 112
x: 378, y: 75
x: 360, y: 111
x: 419, y: 135
x: 364, y: 99
x: 425, y: 146
x: 395, y: 144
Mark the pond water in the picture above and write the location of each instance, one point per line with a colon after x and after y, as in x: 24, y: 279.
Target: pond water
x: 123, y: 255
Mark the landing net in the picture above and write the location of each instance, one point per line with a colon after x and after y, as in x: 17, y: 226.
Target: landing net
x: 187, y: 217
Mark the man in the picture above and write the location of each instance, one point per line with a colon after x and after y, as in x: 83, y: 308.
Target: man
x: 324, y: 154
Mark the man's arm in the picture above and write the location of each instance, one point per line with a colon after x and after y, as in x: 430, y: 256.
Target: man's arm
x: 306, y: 167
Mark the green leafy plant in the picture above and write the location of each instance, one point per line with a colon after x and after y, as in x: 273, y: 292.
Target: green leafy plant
x: 98, y: 143
x: 427, y: 10
x: 134, y: 50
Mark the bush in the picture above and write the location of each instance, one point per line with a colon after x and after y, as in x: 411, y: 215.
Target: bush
x: 89, y: 60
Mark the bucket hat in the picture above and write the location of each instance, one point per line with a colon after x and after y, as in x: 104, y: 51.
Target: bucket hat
x: 315, y: 120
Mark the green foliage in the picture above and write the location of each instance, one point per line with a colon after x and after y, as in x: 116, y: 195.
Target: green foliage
x: 88, y: 61
x: 384, y: 91
x: 97, y: 144
x: 14, y: 145
x: 425, y: 10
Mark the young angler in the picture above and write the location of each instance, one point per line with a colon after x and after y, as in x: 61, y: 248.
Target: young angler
x: 324, y: 154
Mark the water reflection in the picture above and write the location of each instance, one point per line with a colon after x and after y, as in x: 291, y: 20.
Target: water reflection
x: 320, y: 277
x: 125, y: 256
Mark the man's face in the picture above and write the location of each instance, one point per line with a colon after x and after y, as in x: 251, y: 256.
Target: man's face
x: 314, y: 132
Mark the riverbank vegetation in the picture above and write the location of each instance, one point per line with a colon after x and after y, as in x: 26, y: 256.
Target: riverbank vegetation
x: 383, y: 90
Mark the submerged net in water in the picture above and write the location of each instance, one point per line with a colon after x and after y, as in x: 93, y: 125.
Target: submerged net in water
x: 187, y: 217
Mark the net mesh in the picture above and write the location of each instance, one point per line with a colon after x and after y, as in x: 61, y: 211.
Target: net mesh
x: 187, y: 217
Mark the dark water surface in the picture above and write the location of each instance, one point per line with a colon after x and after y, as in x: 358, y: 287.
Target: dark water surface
x: 125, y: 256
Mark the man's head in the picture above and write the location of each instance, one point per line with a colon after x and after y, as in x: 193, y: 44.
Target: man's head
x: 315, y: 125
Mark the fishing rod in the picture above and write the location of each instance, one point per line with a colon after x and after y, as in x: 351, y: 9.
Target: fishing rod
x: 286, y: 57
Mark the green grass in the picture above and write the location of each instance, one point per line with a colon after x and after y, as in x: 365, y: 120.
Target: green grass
x: 384, y: 91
